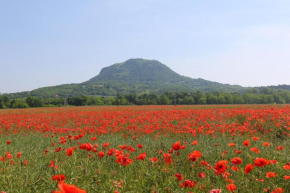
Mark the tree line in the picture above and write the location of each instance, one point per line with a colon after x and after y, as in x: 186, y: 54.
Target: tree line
x: 251, y: 96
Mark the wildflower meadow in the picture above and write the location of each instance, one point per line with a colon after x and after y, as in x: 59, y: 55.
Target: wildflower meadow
x: 150, y: 149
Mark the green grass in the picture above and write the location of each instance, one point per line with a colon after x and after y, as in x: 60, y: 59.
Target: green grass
x: 98, y: 174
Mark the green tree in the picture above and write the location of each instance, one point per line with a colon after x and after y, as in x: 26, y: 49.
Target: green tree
x: 221, y: 99
x: 164, y: 100
x: 34, y: 101
x: 99, y: 101
x: 109, y: 100
x: 18, y: 103
x: 78, y: 101
x: 123, y: 101
x: 189, y: 100
x: 212, y: 99
x: 1, y: 103
x: 238, y: 99
x: 202, y: 100
x: 229, y: 98
x: 180, y: 101
x: 95, y: 101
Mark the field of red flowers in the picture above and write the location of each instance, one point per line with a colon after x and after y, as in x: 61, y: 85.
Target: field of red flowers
x: 146, y: 149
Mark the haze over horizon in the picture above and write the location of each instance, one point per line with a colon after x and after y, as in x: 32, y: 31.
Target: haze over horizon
x: 47, y: 43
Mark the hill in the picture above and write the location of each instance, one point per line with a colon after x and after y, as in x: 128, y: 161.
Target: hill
x: 280, y: 87
x: 132, y: 76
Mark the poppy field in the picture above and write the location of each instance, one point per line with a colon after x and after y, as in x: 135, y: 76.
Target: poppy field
x: 171, y: 149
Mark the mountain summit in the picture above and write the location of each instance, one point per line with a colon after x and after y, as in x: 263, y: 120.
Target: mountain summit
x: 137, y: 70
x: 133, y: 76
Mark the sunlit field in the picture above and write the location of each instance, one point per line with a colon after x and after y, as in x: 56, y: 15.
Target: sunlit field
x: 146, y: 149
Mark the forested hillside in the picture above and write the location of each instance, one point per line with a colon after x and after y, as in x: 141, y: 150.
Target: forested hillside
x: 133, y: 76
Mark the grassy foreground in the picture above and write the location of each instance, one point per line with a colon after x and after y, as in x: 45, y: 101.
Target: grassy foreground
x: 146, y: 149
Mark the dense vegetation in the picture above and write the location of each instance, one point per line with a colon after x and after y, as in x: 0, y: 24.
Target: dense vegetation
x: 252, y: 96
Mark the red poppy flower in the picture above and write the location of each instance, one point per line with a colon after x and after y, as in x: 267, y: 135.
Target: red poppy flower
x: 287, y: 166
x: 236, y: 161
x: 260, y: 180
x: 188, y: 184
x: 53, y: 165
x: 123, y: 160
x: 167, y: 158
x: 19, y: 154
x: 59, y: 177
x: 154, y: 159
x: 235, y: 168
x: 279, y: 148
x: 194, y: 155
x: 271, y: 174
x: 101, y: 154
x: 179, y: 177
x: 221, y: 166
x: 232, y: 144
x: 195, y: 142
x: 237, y: 151
x: 255, y: 149
x: 86, y: 146
x: 203, y: 163
x: 9, y: 156
x: 110, y: 152
x: 255, y: 138
x: 142, y: 156
x: 66, y: 188
x: 272, y: 161
x: 266, y: 144
x: 201, y: 175
x: 176, y: 146
x: 248, y: 168
x: 25, y: 163
x: 278, y: 190
x: 69, y: 151
x: 246, y: 143
x: 231, y: 187
x: 94, y: 138
x: 105, y: 145
x: 260, y: 162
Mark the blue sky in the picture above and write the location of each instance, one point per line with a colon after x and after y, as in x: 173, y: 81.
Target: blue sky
x: 46, y: 43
